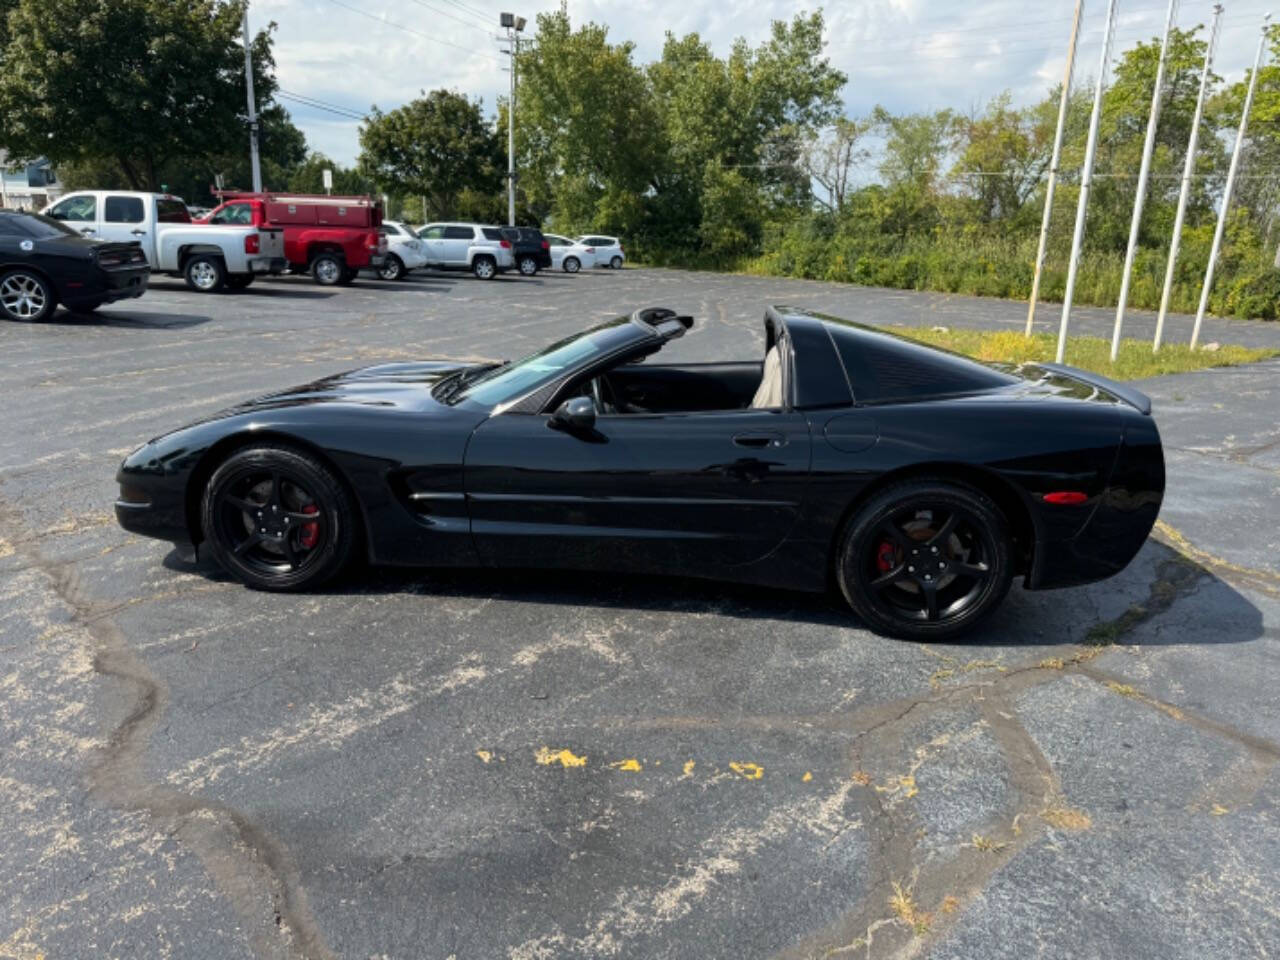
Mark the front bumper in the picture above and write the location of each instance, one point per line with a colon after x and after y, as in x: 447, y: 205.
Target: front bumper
x: 273, y: 265
x: 151, y: 505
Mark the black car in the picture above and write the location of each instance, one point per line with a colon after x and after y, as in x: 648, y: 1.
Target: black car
x: 531, y: 249
x: 44, y: 263
x: 917, y: 481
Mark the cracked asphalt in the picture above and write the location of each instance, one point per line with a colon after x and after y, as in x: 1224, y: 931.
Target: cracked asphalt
x: 416, y: 764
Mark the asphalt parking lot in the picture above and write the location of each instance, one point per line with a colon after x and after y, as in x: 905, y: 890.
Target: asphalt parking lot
x: 472, y: 765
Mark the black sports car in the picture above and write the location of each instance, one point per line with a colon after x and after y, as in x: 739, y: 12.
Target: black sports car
x: 44, y: 263
x: 917, y: 481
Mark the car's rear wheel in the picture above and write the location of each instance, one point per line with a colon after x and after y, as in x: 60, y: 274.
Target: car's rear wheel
x: 239, y: 281
x: 572, y: 265
x: 278, y: 519
x: 392, y: 269
x: 328, y: 269
x: 528, y: 266
x: 205, y: 273
x: 616, y: 263
x: 925, y: 559
x: 485, y: 268
x: 26, y: 296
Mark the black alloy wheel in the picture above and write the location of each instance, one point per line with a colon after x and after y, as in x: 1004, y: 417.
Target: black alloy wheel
x: 278, y: 519
x: 926, y: 560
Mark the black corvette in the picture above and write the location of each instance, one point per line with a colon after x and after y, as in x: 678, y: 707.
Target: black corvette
x: 44, y: 263
x: 916, y: 481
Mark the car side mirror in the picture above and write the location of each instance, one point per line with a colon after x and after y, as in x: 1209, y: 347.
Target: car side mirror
x: 576, y: 414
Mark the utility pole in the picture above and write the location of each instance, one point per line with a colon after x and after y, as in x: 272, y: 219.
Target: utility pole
x: 514, y: 25
x: 1231, y: 182
x: 1148, y: 147
x: 1086, y: 177
x: 1053, y: 164
x: 1188, y: 168
x: 253, y: 109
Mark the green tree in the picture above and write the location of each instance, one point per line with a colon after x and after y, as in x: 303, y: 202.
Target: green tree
x: 436, y: 146
x: 308, y: 177
x: 142, y: 83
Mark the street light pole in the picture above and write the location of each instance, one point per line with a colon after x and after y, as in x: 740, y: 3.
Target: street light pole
x: 253, y: 109
x: 514, y: 25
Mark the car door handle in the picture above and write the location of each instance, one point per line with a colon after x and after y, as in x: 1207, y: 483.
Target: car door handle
x: 86, y: 230
x: 138, y: 233
x: 760, y: 440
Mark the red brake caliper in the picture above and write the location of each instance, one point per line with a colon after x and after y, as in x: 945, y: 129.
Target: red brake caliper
x: 885, y: 557
x: 309, y: 535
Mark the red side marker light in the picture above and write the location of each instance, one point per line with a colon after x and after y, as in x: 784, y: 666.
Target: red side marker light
x: 1066, y: 498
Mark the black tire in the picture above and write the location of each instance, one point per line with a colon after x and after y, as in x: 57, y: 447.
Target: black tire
x: 205, y: 273
x: 239, y: 281
x: 392, y: 268
x: 484, y: 267
x: 528, y: 266
x: 256, y: 514
x: 571, y: 265
x: 922, y: 539
x: 328, y: 269
x: 616, y: 263
x: 26, y: 296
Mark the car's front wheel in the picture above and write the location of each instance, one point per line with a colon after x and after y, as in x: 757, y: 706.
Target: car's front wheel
x: 572, y: 264
x: 392, y: 268
x: 205, y: 273
x: 925, y: 559
x: 26, y: 296
x: 528, y: 266
x: 485, y: 268
x: 276, y: 518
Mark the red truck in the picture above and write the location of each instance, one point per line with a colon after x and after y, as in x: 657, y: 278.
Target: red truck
x: 331, y: 238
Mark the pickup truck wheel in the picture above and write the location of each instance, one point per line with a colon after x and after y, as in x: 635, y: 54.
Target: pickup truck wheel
x: 327, y: 269
x: 205, y: 273
x: 572, y: 265
x: 392, y: 269
x: 26, y: 296
x: 485, y: 268
x: 528, y: 266
x: 238, y: 281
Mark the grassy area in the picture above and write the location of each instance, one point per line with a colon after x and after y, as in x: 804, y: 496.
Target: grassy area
x: 1134, y: 362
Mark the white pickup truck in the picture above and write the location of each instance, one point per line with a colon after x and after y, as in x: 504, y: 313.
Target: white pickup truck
x: 207, y: 257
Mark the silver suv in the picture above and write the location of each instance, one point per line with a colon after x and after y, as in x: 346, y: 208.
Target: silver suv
x: 467, y: 246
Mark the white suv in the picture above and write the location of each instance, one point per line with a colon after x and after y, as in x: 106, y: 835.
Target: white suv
x: 467, y: 246
x: 405, y: 251
x: 608, y: 250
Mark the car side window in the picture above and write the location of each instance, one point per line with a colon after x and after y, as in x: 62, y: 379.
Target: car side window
x: 76, y: 209
x: 492, y: 234
x: 237, y: 214
x: 122, y: 210
x: 431, y: 233
x: 458, y: 233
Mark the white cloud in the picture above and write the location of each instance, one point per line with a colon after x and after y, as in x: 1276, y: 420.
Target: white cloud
x: 905, y: 54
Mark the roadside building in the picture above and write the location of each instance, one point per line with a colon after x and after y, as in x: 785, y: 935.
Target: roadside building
x: 27, y: 186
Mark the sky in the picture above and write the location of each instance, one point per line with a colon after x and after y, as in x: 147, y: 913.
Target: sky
x: 908, y: 55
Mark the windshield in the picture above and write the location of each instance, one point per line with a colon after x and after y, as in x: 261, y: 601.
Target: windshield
x: 509, y: 381
x: 40, y: 227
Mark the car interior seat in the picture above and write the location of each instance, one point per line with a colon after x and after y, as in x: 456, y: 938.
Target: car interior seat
x: 769, y: 393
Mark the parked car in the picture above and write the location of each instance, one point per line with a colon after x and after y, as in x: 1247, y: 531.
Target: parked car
x: 405, y: 251
x: 332, y: 238
x: 570, y: 255
x: 44, y: 263
x: 609, y: 252
x: 467, y: 246
x: 209, y: 258
x: 531, y: 249
x: 916, y: 482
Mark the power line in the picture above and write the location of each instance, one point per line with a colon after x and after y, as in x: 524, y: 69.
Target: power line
x: 417, y: 33
x: 479, y: 14
x: 456, y: 19
x: 321, y: 105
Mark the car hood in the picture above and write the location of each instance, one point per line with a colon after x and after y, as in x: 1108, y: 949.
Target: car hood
x: 404, y: 385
